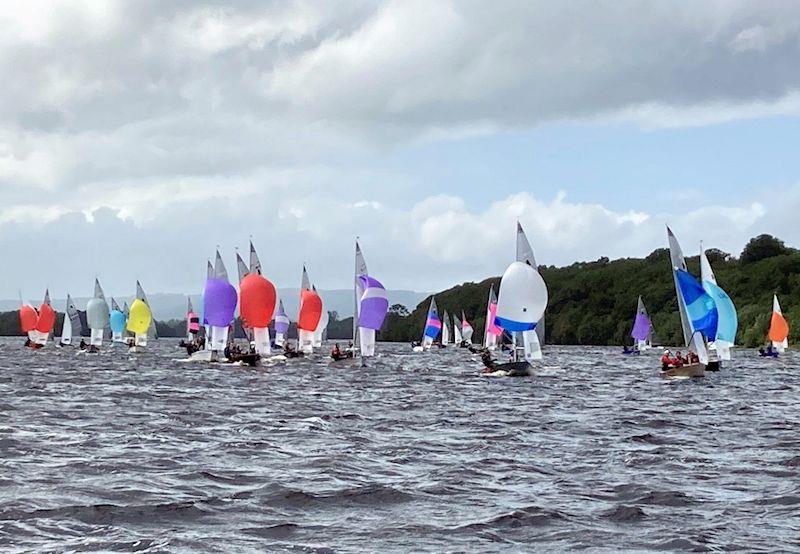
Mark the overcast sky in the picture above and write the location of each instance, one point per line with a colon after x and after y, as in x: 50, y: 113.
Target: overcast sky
x: 136, y: 136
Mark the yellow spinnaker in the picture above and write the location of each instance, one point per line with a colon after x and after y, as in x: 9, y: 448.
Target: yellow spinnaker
x: 139, y: 318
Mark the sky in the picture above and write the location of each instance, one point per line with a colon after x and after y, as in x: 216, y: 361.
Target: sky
x: 136, y: 137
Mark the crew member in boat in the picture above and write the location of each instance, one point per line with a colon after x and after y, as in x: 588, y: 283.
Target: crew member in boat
x: 82, y: 345
x: 336, y: 353
x: 488, y: 361
x: 668, y: 362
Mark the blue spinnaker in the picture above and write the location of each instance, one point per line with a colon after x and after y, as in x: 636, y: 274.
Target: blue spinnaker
x: 700, y: 307
x: 727, y: 321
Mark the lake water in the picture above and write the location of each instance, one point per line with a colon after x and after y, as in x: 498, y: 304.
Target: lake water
x: 118, y: 452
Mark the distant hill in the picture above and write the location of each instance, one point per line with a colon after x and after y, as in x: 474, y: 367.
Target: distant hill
x: 173, y: 306
x: 594, y: 303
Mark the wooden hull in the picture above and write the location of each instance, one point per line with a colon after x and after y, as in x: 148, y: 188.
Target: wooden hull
x: 691, y: 370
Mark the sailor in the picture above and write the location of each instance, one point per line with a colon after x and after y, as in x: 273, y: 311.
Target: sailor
x: 336, y: 352
x: 666, y: 361
x: 83, y: 345
x: 488, y: 362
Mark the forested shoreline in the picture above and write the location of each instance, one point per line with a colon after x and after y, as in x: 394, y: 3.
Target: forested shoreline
x: 593, y: 303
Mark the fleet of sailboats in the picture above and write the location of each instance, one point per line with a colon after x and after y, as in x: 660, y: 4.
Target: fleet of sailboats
x: 514, y: 317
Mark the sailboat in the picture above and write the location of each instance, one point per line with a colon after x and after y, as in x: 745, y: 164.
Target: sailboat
x: 97, y: 315
x: 192, y: 321
x: 281, y: 325
x: 727, y: 321
x: 309, y: 315
x: 432, y: 327
x: 458, y: 338
x: 371, y: 307
x: 117, y: 320
x: 46, y: 320
x: 521, y: 303
x: 492, y: 332
x: 140, y: 320
x: 445, y: 330
x: 697, y: 311
x: 219, y: 306
x: 28, y: 319
x: 466, y: 330
x: 642, y: 331
x: 72, y: 322
x: 778, y: 327
x: 257, y: 297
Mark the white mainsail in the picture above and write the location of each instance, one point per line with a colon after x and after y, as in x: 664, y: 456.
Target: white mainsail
x: 358, y: 291
x: 466, y: 329
x: 457, y: 336
x: 72, y: 321
x: 525, y: 255
x: 445, y: 329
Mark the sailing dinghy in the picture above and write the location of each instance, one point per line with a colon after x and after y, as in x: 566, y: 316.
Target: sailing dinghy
x: 281, y: 325
x: 309, y: 315
x: 97, y: 315
x: 458, y: 337
x: 778, y: 327
x: 46, y: 320
x: 371, y: 306
x: 72, y: 323
x: 433, y: 325
x: 140, y: 319
x: 642, y: 331
x: 445, y: 330
x: 698, y: 315
x: 219, y: 307
x: 521, y: 304
x: 117, y: 320
x: 492, y: 332
x: 466, y: 331
x: 257, y: 297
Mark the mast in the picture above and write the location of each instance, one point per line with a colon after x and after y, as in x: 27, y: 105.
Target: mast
x: 360, y: 269
x: 679, y: 263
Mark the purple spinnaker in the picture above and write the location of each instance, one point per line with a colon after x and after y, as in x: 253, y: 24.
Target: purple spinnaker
x: 373, y: 304
x: 641, y: 327
x: 219, y: 302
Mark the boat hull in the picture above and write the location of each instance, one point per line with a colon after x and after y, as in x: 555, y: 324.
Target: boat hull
x: 511, y: 369
x: 691, y: 370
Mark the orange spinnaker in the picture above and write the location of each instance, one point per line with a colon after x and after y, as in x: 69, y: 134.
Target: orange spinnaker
x: 28, y: 318
x: 310, y: 310
x: 47, y: 319
x: 778, y: 328
x: 257, y: 301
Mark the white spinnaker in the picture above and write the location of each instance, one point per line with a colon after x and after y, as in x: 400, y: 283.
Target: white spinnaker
x: 521, y: 303
x: 97, y: 314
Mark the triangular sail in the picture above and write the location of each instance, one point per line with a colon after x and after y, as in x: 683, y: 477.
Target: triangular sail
x: 727, y: 320
x: 525, y: 255
x: 641, y: 325
x: 520, y: 305
x: 466, y: 329
x: 281, y: 324
x: 219, y: 269
x: 457, y: 336
x: 678, y: 263
x: 151, y: 332
x: 241, y: 267
x: 491, y: 331
x: 255, y: 263
x: 432, y: 325
x: 310, y: 314
x: 778, y: 327
x: 360, y: 269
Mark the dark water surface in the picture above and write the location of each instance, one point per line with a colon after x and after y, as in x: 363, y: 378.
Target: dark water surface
x: 415, y: 453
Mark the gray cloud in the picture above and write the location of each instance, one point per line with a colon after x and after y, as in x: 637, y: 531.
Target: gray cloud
x: 174, y: 126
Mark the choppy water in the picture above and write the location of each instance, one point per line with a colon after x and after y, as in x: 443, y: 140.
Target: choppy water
x: 415, y: 453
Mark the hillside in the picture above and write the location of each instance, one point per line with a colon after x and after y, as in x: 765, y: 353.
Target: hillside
x: 594, y: 302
